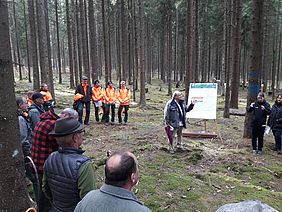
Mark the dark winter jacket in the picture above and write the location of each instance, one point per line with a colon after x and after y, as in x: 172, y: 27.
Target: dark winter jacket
x: 275, y: 118
x: 62, y: 173
x: 25, y: 133
x: 173, y: 116
x: 259, y: 117
x: 34, y: 112
x: 88, y: 96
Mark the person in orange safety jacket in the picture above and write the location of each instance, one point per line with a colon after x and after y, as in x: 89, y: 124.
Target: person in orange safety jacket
x: 110, y: 103
x: 124, y: 96
x: 98, y: 99
x: 47, y: 97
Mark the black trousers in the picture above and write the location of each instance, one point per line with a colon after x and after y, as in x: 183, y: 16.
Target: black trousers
x: 257, y: 137
x: 107, y: 111
x: 126, y: 108
x: 97, y: 112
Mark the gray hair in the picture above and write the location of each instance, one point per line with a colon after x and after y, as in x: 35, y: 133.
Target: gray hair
x: 69, y: 112
x: 20, y: 100
x: 176, y: 93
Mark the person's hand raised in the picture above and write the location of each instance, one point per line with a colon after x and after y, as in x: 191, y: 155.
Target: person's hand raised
x: 194, y: 101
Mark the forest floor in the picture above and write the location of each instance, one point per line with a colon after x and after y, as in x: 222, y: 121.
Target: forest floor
x: 206, y: 174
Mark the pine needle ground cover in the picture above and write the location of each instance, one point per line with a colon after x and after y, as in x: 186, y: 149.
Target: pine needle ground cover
x: 206, y: 174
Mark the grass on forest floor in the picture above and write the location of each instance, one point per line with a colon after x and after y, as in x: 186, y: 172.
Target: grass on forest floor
x: 205, y: 175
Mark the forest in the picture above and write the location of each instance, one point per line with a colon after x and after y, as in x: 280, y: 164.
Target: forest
x: 157, y: 47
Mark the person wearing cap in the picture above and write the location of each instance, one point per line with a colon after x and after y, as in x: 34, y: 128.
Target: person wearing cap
x: 68, y: 174
x: 124, y: 101
x: 42, y: 146
x: 98, y: 99
x: 175, y: 117
x: 47, y: 97
x: 110, y: 103
x: 85, y: 92
x: 36, y: 109
x: 121, y: 175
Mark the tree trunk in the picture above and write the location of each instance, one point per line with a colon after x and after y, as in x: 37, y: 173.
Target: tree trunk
x: 105, y: 41
x: 58, y: 42
x: 33, y: 39
x: 228, y: 57
x: 190, y: 32
x: 75, y: 48
x: 43, y: 51
x: 256, y: 61
x: 109, y: 40
x: 236, y: 55
x: 79, y: 39
x: 27, y: 43
x: 169, y: 55
x: 123, y: 40
x: 14, y: 194
x: 70, y: 43
x: 136, y: 62
x: 141, y: 53
x: 162, y: 42
x: 17, y: 40
x: 50, y: 80
x: 84, y: 39
x: 93, y: 40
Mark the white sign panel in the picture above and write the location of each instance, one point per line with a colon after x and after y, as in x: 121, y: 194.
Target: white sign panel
x: 206, y: 96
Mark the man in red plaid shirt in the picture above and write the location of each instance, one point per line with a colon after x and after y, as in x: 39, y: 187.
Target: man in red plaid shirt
x: 42, y: 146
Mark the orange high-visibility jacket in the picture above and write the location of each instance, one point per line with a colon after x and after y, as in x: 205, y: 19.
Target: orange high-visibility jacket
x: 110, y: 95
x: 47, y: 96
x: 97, y: 94
x: 29, y: 102
x: 124, y: 96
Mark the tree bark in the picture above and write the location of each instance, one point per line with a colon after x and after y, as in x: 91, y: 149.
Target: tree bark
x: 236, y: 55
x: 141, y: 53
x: 190, y: 32
x: 17, y: 40
x: 12, y: 184
x: 70, y: 43
x: 58, y: 42
x: 33, y: 39
x: 256, y: 61
x: 105, y: 41
x: 93, y: 40
x: 27, y: 43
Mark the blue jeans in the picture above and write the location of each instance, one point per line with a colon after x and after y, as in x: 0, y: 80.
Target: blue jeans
x: 80, y: 111
x: 278, y: 139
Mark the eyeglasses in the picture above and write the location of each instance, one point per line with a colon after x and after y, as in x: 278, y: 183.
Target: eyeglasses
x: 81, y: 132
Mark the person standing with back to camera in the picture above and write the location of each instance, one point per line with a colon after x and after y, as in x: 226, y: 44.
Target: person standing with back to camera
x: 261, y: 109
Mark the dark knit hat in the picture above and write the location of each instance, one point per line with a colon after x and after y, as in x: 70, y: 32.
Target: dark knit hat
x: 37, y: 95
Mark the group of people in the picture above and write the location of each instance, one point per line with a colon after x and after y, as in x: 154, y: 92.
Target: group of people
x: 102, y: 98
x: 261, y: 109
x: 62, y: 175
